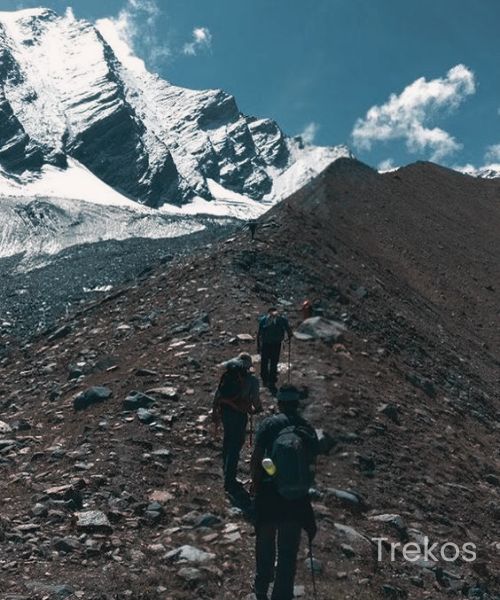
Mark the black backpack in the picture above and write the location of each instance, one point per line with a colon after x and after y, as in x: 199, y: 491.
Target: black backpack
x: 231, y: 383
x: 292, y: 455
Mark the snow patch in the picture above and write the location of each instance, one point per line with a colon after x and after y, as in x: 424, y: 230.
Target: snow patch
x: 308, y: 162
x: 75, y: 182
x: 491, y: 171
x: 226, y: 203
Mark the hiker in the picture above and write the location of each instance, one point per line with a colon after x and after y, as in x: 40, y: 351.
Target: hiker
x: 307, y: 310
x: 272, y: 330
x: 282, y: 504
x: 236, y: 397
x: 252, y: 227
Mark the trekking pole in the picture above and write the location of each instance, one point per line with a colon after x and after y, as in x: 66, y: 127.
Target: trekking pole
x: 289, y: 360
x: 250, y: 437
x: 313, y: 576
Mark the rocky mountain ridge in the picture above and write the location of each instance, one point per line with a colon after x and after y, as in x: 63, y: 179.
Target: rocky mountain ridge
x: 129, y: 485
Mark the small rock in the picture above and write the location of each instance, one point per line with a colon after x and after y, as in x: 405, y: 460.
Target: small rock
x: 67, y: 545
x: 145, y: 373
x: 190, y: 574
x: 161, y: 496
x: 93, y: 520
x: 93, y: 395
x: 492, y: 479
x: 424, y: 383
x: 165, y: 393
x: 208, y: 520
x: 245, y: 337
x: 60, y: 333
x: 394, y: 521
x: 189, y: 554
x: 136, y: 400
x: 350, y: 499
x: 391, y: 411
x: 56, y: 592
x: 314, y: 565
x: 201, y: 324
x: 351, y: 535
x: 145, y: 416
x: 347, y: 550
x: 5, y: 428
x: 393, y: 593
x: 162, y: 454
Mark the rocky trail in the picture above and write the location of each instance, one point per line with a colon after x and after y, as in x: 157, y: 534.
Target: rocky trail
x: 111, y: 480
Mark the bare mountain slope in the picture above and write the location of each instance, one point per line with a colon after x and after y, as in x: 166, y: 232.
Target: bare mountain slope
x: 410, y: 396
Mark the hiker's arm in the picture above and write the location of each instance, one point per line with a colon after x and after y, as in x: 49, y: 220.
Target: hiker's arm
x: 315, y: 446
x: 258, y: 454
x: 256, y: 469
x: 216, y: 416
x: 259, y: 337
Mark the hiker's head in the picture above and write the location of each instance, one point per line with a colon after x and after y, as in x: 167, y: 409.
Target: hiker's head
x: 288, y: 398
x: 242, y: 361
x: 272, y: 312
x: 245, y: 359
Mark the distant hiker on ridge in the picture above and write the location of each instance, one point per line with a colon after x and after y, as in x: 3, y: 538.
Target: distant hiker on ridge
x: 236, y: 397
x: 281, y: 486
x: 252, y: 227
x: 272, y: 330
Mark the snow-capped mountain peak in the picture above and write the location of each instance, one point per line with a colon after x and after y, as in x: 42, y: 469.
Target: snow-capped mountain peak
x: 73, y: 92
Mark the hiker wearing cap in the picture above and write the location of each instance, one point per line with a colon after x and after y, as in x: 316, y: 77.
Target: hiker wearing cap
x: 273, y: 328
x: 236, y: 397
x: 282, y: 504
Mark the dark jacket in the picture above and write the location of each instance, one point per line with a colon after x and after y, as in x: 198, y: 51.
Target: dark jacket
x: 272, y: 331
x: 270, y: 507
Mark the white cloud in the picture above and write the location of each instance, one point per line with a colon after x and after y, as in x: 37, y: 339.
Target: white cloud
x: 406, y: 116
x: 202, y: 40
x: 134, y: 31
x: 492, y: 153
x: 386, y: 165
x: 308, y: 135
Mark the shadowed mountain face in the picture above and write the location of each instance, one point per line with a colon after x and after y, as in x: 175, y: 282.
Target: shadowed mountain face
x: 406, y: 261
x: 65, y: 93
x: 431, y: 229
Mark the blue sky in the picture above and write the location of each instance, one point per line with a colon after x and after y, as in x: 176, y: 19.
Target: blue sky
x: 427, y: 69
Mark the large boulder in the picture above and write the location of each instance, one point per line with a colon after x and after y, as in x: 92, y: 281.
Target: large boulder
x: 319, y: 328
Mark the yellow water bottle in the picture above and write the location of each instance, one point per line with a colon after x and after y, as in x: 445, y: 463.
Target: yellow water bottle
x: 269, y: 467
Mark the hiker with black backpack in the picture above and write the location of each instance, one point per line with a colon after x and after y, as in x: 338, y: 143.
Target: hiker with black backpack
x: 236, y: 398
x: 273, y: 328
x: 285, y: 448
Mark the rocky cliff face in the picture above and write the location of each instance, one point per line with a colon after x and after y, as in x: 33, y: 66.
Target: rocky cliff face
x: 64, y: 93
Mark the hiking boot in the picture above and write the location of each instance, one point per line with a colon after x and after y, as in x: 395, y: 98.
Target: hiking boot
x: 259, y: 596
